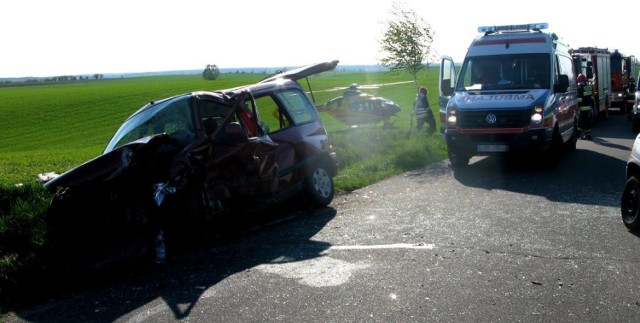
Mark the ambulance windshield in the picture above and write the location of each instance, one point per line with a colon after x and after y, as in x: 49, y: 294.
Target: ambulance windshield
x: 505, y: 72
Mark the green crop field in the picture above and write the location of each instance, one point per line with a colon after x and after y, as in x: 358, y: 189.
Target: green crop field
x: 54, y: 127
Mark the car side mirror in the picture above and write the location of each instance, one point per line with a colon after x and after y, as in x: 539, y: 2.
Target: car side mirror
x: 445, y: 87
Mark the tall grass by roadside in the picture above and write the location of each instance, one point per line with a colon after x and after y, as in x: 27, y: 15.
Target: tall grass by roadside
x: 22, y: 238
x: 370, y: 154
x: 57, y: 127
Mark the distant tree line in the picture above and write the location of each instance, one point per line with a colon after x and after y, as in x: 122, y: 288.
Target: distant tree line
x: 59, y: 78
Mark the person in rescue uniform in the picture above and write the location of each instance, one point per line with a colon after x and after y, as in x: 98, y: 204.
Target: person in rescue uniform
x: 423, y: 112
x: 585, y: 102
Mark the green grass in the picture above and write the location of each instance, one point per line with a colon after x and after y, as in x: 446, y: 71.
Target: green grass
x: 55, y: 127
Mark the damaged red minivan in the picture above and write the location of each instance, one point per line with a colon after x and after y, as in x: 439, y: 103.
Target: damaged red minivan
x: 188, y: 158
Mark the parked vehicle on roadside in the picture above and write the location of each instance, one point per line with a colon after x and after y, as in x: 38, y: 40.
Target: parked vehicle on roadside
x: 516, y: 91
x: 623, y: 70
x: 630, y: 201
x: 631, y: 63
x: 635, y: 110
x: 180, y: 162
x: 594, y: 64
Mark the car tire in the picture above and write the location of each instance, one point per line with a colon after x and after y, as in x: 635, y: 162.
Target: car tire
x: 635, y: 126
x: 630, y: 204
x: 571, y: 144
x: 319, y: 187
x: 553, y: 155
x: 457, y: 159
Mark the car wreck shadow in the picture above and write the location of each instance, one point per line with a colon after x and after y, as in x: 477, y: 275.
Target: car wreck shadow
x: 261, y: 237
x: 577, y: 177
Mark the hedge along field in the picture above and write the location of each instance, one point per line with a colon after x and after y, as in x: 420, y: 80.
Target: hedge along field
x: 56, y: 127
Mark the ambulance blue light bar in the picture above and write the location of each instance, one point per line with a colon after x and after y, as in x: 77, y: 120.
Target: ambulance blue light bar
x: 493, y: 29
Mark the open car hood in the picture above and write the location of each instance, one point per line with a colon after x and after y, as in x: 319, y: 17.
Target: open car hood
x: 302, y: 72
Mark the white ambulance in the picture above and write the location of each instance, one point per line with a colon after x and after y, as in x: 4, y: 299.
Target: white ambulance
x: 515, y: 92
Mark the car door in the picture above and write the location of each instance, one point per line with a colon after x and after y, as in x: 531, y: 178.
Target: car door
x: 446, y: 88
x: 241, y: 161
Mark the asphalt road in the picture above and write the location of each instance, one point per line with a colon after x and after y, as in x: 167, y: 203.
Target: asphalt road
x: 514, y: 242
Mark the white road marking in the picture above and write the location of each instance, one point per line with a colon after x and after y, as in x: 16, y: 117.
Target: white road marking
x: 429, y: 246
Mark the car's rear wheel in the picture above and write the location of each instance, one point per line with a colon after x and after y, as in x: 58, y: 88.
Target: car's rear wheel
x: 320, y: 189
x: 630, y: 204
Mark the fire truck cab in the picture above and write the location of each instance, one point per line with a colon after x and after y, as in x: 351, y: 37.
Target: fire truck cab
x: 516, y: 91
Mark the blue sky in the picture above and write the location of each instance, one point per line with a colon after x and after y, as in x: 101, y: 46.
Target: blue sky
x: 70, y: 37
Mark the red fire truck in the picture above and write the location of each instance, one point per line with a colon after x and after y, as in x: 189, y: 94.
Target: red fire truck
x: 631, y: 68
x: 594, y: 63
x: 623, y: 71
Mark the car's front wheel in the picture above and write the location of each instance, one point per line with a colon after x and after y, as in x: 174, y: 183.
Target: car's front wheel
x: 320, y: 188
x: 571, y: 144
x: 635, y: 125
x: 630, y: 204
x: 458, y: 159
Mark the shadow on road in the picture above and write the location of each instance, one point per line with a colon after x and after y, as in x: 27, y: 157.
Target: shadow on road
x: 582, y: 176
x: 189, y: 273
x: 586, y: 176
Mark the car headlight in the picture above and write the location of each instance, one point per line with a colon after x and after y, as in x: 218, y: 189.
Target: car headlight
x: 452, y: 118
x: 536, y: 116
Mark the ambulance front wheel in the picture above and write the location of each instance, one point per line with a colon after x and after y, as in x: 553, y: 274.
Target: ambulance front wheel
x: 635, y: 126
x: 458, y: 159
x: 630, y: 204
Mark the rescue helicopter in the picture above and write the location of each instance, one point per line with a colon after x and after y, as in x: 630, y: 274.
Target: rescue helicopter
x: 355, y: 107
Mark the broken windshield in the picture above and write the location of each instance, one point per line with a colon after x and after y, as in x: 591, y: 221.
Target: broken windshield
x: 505, y: 72
x: 172, y: 117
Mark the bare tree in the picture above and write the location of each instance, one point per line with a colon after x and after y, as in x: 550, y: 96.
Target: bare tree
x: 407, y: 41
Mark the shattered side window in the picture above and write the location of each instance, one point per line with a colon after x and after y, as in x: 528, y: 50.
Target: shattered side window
x: 211, y: 108
x: 212, y: 113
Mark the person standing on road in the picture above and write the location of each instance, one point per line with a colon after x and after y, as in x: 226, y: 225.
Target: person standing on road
x: 423, y: 112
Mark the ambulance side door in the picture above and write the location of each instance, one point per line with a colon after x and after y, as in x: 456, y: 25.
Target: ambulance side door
x: 446, y: 87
